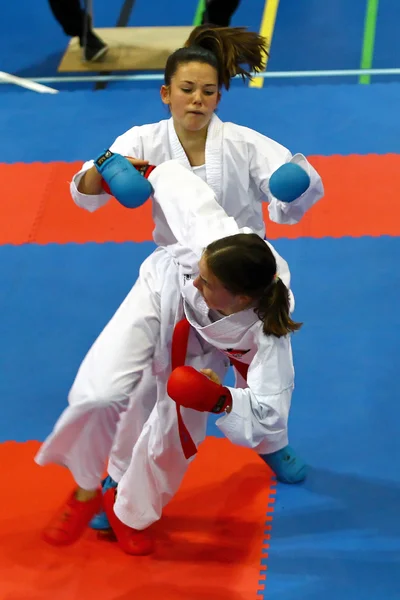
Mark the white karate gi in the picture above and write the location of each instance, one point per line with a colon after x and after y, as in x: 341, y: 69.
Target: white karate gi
x: 83, y: 436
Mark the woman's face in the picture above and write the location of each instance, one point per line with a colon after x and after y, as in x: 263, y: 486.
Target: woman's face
x: 193, y: 95
x: 216, y: 296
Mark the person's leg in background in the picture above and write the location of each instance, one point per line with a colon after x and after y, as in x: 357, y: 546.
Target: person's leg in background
x: 75, y: 22
x: 219, y: 12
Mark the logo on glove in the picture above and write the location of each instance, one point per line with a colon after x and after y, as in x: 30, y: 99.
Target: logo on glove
x: 102, y: 159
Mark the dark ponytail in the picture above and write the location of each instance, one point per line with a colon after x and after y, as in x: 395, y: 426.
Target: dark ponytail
x: 245, y: 265
x: 227, y: 49
x: 273, y: 309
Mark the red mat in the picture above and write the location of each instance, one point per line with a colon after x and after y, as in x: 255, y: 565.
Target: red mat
x: 209, y: 542
x: 36, y: 207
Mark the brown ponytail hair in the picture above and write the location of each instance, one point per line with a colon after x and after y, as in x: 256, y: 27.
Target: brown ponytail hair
x: 227, y: 49
x: 245, y: 265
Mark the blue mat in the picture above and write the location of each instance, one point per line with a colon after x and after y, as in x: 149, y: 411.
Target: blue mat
x: 324, y: 120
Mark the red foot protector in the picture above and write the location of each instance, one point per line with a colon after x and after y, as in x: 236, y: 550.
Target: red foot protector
x: 70, y: 522
x: 130, y: 540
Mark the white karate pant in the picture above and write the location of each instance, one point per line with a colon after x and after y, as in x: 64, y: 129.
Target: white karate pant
x: 118, y: 361
x: 158, y: 465
x: 117, y: 375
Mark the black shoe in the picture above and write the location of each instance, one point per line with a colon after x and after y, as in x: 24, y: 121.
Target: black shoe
x: 94, y: 49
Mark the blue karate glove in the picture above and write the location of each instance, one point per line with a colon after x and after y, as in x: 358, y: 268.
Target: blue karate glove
x: 288, y: 182
x: 122, y: 180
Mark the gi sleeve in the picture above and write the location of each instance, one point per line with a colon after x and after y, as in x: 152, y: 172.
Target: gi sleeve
x: 260, y: 411
x: 266, y: 156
